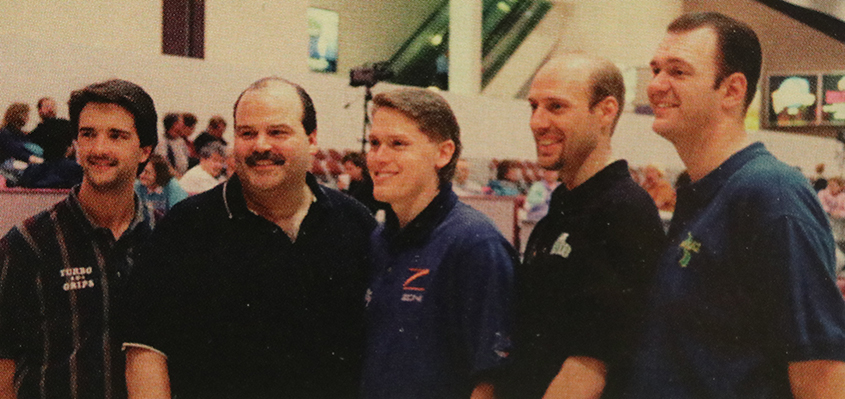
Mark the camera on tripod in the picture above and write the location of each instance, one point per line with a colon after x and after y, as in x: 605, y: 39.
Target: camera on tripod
x: 370, y: 74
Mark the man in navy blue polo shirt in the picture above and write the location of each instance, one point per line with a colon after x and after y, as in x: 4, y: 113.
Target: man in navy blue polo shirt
x: 583, y: 282
x: 745, y: 304
x: 255, y: 289
x: 63, y: 271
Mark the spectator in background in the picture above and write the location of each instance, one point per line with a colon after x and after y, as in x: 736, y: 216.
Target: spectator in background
x: 52, y: 134
x: 14, y: 145
x: 210, y: 172
x: 213, y: 133
x: 189, y: 126
x: 537, y: 201
x: 819, y: 182
x: 461, y: 184
x: 158, y: 189
x: 174, y: 148
x: 658, y: 188
x: 833, y: 198
x: 507, y: 182
x: 360, y: 182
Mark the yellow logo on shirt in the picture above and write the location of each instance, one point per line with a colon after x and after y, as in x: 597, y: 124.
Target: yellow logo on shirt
x: 688, y: 246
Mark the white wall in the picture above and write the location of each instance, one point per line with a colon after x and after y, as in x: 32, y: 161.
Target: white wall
x: 624, y: 31
x: 252, y: 38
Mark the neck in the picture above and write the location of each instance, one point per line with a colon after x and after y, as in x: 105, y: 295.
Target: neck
x: 406, y: 212
x: 702, y: 153
x: 286, y: 209
x: 592, y: 164
x: 113, y: 209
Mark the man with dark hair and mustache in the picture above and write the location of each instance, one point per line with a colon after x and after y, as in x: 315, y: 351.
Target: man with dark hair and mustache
x: 256, y: 287
x: 63, y: 271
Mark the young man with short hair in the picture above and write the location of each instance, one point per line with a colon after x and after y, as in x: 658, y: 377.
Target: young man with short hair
x: 744, y: 303
x: 62, y: 272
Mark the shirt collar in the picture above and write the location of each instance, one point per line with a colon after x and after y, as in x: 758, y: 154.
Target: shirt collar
x: 563, y: 198
x: 420, y: 227
x: 138, y: 222
x: 703, y: 190
x: 235, y: 203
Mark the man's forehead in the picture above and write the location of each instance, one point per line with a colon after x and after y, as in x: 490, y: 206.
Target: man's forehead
x: 691, y: 47
x: 560, y: 77
x: 276, y: 96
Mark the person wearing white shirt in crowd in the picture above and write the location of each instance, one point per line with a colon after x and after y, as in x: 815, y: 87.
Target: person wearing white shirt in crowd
x: 209, y: 172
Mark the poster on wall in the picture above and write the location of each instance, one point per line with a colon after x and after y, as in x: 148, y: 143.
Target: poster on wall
x: 833, y: 99
x: 322, y: 39
x: 792, y: 100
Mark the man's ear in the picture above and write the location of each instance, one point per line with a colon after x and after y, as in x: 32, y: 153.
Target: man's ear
x: 733, y: 90
x: 146, y: 151
x: 608, y: 109
x: 445, y: 150
x: 312, y: 143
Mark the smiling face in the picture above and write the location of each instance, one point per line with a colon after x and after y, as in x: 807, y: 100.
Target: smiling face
x: 271, y: 149
x: 566, y: 129
x: 681, y: 90
x: 108, y: 148
x: 403, y: 161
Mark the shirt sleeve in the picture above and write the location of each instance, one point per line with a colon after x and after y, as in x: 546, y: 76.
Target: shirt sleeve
x: 796, y: 275
x: 12, y: 287
x: 485, y: 277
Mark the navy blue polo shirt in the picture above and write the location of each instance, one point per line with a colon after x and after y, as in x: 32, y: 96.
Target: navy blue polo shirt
x: 744, y: 287
x: 584, y: 281
x: 240, y: 311
x: 438, y: 303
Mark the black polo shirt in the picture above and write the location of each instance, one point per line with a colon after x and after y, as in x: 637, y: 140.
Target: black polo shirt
x: 583, y: 282
x: 61, y: 285
x: 241, y: 311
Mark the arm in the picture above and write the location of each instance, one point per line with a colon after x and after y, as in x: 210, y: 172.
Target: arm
x: 817, y: 379
x: 146, y: 374
x: 579, y: 377
x: 7, y: 379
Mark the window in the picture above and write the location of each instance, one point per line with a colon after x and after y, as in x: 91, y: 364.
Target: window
x: 183, y: 28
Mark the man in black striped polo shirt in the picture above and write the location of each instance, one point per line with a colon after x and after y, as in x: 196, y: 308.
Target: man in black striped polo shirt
x: 63, y: 270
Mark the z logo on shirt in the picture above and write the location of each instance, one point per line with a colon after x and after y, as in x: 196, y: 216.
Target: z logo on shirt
x: 409, y: 286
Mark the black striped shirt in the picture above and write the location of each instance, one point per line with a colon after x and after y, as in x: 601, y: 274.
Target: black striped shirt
x: 61, y: 281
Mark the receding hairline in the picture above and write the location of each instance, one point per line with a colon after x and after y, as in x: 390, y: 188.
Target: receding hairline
x: 271, y: 87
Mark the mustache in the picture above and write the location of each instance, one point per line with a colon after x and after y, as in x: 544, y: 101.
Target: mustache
x: 256, y: 157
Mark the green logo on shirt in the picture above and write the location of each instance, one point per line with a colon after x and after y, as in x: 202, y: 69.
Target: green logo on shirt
x: 689, y: 246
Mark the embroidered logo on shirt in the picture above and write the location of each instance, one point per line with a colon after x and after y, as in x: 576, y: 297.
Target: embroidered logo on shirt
x: 368, y: 297
x: 414, y: 283
x: 688, y: 246
x: 77, y: 278
x: 561, y: 247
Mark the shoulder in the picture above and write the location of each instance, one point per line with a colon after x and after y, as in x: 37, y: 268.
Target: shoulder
x: 199, y: 210
x: 37, y: 230
x: 349, y: 207
x: 772, y: 187
x: 468, y: 226
x: 625, y: 197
